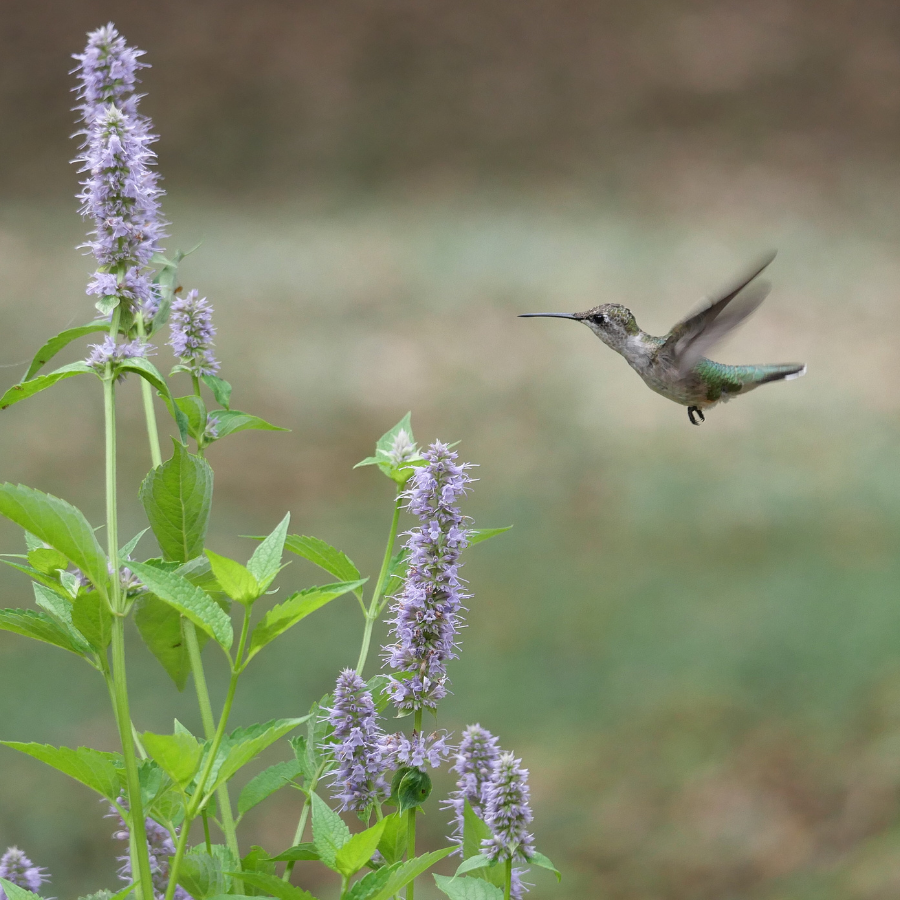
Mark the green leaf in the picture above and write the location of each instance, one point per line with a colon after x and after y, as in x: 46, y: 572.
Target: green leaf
x: 475, y: 831
x: 266, y: 559
x: 330, y: 832
x: 379, y: 688
x: 92, y: 617
x: 267, y: 782
x: 63, y: 339
x: 14, y: 892
x: 323, y: 555
x: 220, y: 387
x: 257, y: 860
x: 358, y: 850
x: 39, y: 626
x: 126, y: 551
x: 177, y: 496
x: 201, y: 874
x: 304, y: 851
x: 232, y: 421
x: 409, y: 870
x: 477, y: 535
x: 272, y: 885
x: 58, y: 524
x: 60, y: 609
x: 99, y: 771
x: 245, y: 744
x: 194, y: 410
x: 149, y: 372
x: 392, y: 845
x: 396, y: 572
x: 189, y: 600
x: 413, y: 790
x: 25, y: 389
x: 160, y: 626
x: 384, y: 447
x: 478, y: 861
x: 298, y: 606
x: 237, y: 581
x: 538, y: 859
x: 467, y: 888
x: 177, y: 754
x: 373, y: 882
x: 47, y: 560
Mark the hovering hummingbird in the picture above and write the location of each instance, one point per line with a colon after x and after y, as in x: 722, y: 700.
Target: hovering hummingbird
x: 674, y: 365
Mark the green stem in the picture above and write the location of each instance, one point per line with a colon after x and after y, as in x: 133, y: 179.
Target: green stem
x: 198, y: 796
x: 508, y: 885
x: 140, y: 859
x: 374, y: 610
x: 411, y: 820
x: 206, y: 837
x: 209, y: 730
x: 301, y: 825
x: 149, y: 411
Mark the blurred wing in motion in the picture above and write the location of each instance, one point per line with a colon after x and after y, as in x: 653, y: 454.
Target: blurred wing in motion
x: 694, y: 335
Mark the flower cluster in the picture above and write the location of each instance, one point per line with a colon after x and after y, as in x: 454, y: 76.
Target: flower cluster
x: 121, y: 192
x: 507, y: 811
x: 418, y: 751
x: 112, y: 352
x: 426, y: 616
x: 359, y: 779
x: 162, y: 849
x: 403, y: 449
x: 17, y: 868
x: 192, y: 334
x: 475, y: 757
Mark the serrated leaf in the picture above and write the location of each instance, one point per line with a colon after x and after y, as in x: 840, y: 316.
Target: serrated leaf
x: 267, y: 782
x: 467, y: 888
x: 358, y: 850
x: 410, y: 870
x: 266, y: 559
x: 392, y: 845
x: 396, y: 572
x: 58, y: 524
x: 478, y: 861
x: 413, y: 790
x: 236, y: 580
x: 202, y: 875
x: 231, y: 421
x: 257, y: 860
x: 538, y: 859
x: 273, y: 886
x: 245, y: 744
x: 160, y: 625
x: 25, y: 389
x: 56, y: 605
x: 189, y: 600
x: 477, y: 535
x: 177, y: 497
x: 323, y: 555
x: 39, y: 626
x: 63, y: 339
x: 194, y: 410
x: 304, y: 851
x: 34, y: 575
x: 92, y: 617
x: 178, y: 754
x: 372, y: 883
x: 14, y: 892
x: 94, y: 768
x: 220, y: 387
x: 330, y: 832
x: 149, y: 372
x: 298, y: 606
x: 47, y: 560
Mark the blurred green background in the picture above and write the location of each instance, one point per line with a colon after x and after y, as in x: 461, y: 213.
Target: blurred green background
x: 692, y: 635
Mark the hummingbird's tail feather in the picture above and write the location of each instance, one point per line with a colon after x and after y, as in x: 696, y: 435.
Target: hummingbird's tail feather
x: 785, y: 372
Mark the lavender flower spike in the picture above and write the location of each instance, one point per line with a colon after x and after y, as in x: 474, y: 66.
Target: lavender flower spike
x: 111, y: 352
x: 359, y: 780
x: 508, y: 811
x: 426, y: 616
x: 478, y: 751
x: 192, y: 334
x: 16, y: 867
x: 162, y: 849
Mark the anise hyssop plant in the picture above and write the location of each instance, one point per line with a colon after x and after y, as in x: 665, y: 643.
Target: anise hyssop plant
x: 169, y: 795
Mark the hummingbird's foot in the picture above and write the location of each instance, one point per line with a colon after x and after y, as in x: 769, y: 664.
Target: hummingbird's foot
x: 695, y: 410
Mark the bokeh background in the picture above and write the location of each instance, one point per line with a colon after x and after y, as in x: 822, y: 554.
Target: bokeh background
x: 692, y: 635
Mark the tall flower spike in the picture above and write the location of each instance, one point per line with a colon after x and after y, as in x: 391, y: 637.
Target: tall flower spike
x: 359, y: 779
x: 508, y: 811
x: 192, y: 334
x: 16, y: 867
x: 162, y: 849
x: 111, y: 352
x: 475, y: 757
x: 121, y: 192
x: 426, y: 615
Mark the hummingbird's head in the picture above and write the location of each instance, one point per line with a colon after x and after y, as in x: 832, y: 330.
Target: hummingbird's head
x: 611, y: 322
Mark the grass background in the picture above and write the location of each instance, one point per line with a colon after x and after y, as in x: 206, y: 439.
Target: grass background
x: 692, y: 635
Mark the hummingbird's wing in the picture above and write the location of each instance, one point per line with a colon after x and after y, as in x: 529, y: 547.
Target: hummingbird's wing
x: 694, y: 335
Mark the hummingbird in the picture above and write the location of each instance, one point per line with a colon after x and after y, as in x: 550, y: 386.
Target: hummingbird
x: 674, y: 365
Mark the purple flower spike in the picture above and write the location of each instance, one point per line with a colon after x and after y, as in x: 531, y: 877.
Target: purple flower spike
x: 507, y: 811
x: 16, y: 867
x: 426, y: 616
x: 111, y: 352
x: 418, y: 751
x: 475, y: 757
x: 162, y: 849
x: 192, y: 334
x: 359, y: 780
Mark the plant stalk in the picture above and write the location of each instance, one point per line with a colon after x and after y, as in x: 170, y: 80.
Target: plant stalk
x: 301, y: 825
x: 507, y: 889
x: 411, y: 820
x: 149, y: 410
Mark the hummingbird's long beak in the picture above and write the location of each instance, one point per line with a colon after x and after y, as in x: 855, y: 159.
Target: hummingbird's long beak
x: 547, y: 316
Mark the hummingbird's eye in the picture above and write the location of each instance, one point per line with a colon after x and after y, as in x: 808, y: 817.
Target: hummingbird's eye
x: 600, y: 319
